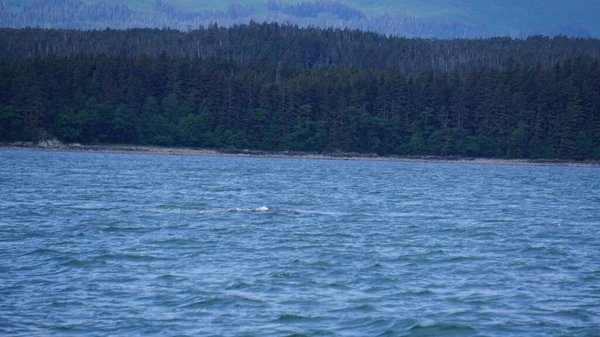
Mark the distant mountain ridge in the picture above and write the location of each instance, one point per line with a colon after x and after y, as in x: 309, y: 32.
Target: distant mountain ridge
x: 411, y: 18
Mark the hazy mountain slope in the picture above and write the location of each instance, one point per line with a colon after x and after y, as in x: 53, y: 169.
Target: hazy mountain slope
x: 432, y: 18
x: 511, y: 16
x: 507, y: 15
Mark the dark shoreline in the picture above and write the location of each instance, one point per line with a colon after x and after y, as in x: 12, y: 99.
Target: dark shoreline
x: 139, y: 149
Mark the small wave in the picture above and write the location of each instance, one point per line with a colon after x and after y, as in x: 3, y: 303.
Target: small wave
x: 61, y: 304
x: 291, y: 318
x: 129, y: 257
x: 258, y: 209
x: 41, y: 251
x: 375, y: 265
x: 340, y: 235
x: 74, y: 263
x: 126, y: 229
x: 425, y: 292
x: 577, y: 315
x: 543, y: 251
x: 359, y: 308
x: 169, y: 277
x: 304, y: 212
x: 443, y: 329
x: 96, y: 206
x: 236, y: 285
x: 321, y: 265
x: 225, y: 210
x: 462, y: 258
x: 285, y: 274
x: 372, y: 327
x: 499, y: 220
x: 208, y: 302
x: 269, y: 210
x: 243, y: 298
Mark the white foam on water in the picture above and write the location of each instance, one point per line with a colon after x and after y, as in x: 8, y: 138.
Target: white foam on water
x: 234, y: 209
x: 261, y: 209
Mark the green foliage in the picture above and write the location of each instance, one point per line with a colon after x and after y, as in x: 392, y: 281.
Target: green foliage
x: 518, y: 141
x: 479, y: 109
x: 11, y: 125
x: 67, y: 126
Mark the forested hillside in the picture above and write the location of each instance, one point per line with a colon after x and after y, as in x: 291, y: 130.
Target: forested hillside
x: 277, y: 87
x: 285, y: 44
x: 409, y: 18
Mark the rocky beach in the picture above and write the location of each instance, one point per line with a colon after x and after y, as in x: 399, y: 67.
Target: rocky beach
x: 55, y: 145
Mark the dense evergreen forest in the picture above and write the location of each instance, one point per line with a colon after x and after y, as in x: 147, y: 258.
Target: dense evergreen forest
x: 310, y: 47
x: 272, y: 87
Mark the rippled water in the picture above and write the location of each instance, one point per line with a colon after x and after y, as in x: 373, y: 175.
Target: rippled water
x: 113, y: 244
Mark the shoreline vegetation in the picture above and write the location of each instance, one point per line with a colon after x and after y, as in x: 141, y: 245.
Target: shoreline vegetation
x: 57, y: 146
x: 279, y: 87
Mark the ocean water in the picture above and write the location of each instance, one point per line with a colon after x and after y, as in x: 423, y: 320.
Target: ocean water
x: 96, y: 244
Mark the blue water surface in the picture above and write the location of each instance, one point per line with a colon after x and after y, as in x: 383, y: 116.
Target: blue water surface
x: 97, y: 244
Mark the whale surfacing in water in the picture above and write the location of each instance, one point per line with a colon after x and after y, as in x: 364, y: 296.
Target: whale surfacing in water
x: 262, y: 209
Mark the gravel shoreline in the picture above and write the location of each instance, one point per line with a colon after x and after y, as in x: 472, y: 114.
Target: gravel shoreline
x: 139, y: 149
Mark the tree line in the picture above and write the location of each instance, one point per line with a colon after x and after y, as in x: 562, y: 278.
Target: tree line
x: 515, y: 109
x: 271, y: 43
